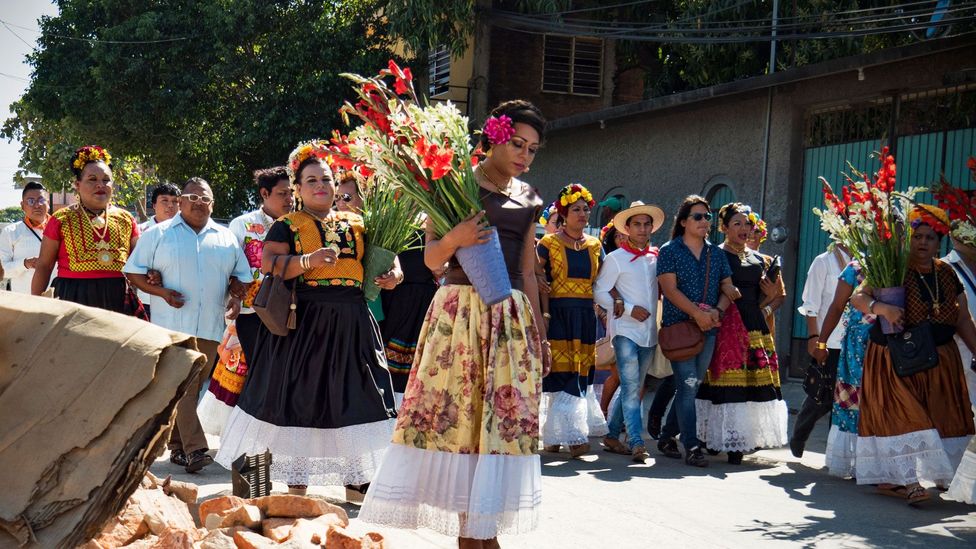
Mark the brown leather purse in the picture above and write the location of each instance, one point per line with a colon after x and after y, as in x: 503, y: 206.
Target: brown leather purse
x: 274, y: 303
x: 684, y: 340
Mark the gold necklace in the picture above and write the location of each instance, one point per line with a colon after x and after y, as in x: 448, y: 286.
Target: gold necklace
x: 100, y: 235
x: 506, y: 191
x: 740, y: 252
x: 576, y: 241
x: 934, y: 295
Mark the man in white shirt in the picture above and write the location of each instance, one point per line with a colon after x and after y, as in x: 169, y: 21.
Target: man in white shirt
x: 818, y: 294
x: 20, y: 242
x: 165, y: 201
x: 632, y: 270
x: 962, y: 258
x: 196, y: 258
x: 250, y: 229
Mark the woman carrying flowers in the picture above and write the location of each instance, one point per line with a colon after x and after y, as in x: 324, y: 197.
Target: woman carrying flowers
x: 740, y: 406
x: 320, y: 398
x: 463, y: 459
x: 570, y: 260
x: 916, y: 427
x: 89, y: 241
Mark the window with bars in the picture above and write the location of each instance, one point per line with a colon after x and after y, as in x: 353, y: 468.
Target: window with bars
x: 439, y: 62
x: 572, y: 65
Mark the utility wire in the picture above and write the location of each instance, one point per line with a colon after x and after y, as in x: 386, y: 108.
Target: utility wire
x: 94, y: 40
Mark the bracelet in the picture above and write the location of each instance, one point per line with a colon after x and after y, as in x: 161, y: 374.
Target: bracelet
x: 546, y: 316
x: 305, y: 261
x: 809, y: 337
x: 871, y: 306
x: 767, y: 310
x: 618, y: 300
x: 821, y: 346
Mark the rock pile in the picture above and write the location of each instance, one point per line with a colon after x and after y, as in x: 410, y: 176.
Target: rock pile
x: 159, y: 515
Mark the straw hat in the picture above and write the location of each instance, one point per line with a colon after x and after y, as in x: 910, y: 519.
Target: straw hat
x: 637, y: 208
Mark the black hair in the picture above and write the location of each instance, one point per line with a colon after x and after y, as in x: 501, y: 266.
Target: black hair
x: 684, y: 211
x: 349, y: 176
x: 610, y: 240
x: 195, y: 181
x: 728, y: 211
x: 307, y: 162
x: 31, y: 186
x: 163, y: 189
x: 520, y: 111
x: 268, y: 178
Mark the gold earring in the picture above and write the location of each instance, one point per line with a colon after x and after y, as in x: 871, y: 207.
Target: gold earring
x: 488, y: 154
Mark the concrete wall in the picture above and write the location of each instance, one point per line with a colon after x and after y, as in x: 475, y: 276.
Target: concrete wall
x: 662, y: 156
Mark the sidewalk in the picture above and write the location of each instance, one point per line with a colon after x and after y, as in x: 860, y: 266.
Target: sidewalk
x: 771, y: 500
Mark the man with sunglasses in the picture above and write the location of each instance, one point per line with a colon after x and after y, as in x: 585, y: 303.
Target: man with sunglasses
x: 349, y: 197
x: 20, y: 243
x: 196, y: 257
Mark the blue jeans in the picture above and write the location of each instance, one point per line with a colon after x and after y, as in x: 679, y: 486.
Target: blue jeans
x: 632, y: 364
x: 688, y: 375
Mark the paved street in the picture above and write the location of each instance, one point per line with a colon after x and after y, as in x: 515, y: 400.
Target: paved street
x: 772, y: 499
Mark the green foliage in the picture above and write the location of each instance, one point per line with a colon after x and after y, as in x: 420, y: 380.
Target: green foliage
x: 250, y: 80
x: 12, y: 214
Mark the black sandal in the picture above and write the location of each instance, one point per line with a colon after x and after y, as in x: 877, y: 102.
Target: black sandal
x: 177, y: 457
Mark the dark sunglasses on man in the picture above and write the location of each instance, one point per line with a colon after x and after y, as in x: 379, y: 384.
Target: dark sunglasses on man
x: 698, y: 216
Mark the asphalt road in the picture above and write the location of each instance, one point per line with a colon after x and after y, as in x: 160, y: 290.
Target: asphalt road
x: 771, y: 500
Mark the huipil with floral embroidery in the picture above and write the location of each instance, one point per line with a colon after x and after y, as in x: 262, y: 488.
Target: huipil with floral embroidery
x: 251, y: 230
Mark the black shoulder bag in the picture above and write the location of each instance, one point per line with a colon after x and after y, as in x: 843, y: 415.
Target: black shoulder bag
x: 913, y: 350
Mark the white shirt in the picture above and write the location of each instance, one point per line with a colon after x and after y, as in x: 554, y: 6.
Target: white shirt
x: 250, y: 230
x: 198, y: 265
x: 17, y: 243
x: 636, y: 281
x: 818, y: 292
x: 151, y: 222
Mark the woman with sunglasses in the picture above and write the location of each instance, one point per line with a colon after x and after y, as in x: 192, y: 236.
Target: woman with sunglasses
x: 740, y: 405
x: 89, y: 241
x: 696, y: 281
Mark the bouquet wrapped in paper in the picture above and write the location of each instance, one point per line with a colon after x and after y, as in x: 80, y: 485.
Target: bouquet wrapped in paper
x: 869, y: 219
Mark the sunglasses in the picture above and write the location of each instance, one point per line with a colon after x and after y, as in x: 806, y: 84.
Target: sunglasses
x: 698, y: 216
x: 345, y: 197
x: 36, y: 201
x: 197, y: 198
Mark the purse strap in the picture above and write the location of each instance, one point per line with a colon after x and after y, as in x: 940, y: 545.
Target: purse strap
x: 708, y: 269
x: 292, y: 315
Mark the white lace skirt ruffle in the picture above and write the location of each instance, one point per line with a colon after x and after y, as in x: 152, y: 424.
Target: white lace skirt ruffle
x: 908, y: 458
x: 570, y: 420
x: 460, y: 495
x: 963, y: 486
x: 742, y: 426
x: 213, y: 414
x: 841, y: 452
x: 305, y: 455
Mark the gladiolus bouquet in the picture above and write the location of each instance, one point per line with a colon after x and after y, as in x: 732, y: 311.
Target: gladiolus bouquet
x: 960, y: 206
x: 868, y: 218
x: 423, y: 151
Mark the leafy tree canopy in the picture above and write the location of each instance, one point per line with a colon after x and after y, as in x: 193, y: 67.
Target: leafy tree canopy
x: 175, y: 89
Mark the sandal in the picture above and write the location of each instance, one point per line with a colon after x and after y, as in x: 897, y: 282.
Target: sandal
x: 614, y: 446
x: 892, y: 491
x: 916, y: 494
x: 577, y: 450
x: 552, y: 448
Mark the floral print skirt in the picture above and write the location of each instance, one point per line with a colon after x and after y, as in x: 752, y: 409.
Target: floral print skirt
x: 463, y: 460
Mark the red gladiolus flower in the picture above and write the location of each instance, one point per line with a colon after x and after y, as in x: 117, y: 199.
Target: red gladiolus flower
x: 400, y: 85
x: 971, y: 163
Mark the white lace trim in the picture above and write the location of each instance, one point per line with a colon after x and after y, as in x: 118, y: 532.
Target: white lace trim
x: 841, y: 452
x: 569, y: 420
x: 742, y: 426
x: 304, y: 455
x: 460, y: 495
x: 213, y: 414
x: 963, y: 486
x: 903, y: 459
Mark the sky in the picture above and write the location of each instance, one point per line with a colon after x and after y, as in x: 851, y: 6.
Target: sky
x: 14, y: 76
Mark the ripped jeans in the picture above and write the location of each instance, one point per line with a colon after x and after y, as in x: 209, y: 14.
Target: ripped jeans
x: 688, y: 375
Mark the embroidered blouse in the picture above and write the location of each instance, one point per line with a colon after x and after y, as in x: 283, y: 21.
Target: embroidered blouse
x: 83, y: 251
x: 342, y: 231
x: 571, y: 272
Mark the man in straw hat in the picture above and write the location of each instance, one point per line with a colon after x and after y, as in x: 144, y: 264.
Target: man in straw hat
x: 632, y: 270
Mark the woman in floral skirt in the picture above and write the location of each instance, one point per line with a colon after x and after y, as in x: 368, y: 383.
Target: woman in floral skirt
x: 463, y: 460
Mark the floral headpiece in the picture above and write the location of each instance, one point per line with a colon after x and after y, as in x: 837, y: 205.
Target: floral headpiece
x: 930, y: 215
x: 570, y: 194
x: 90, y: 153
x: 606, y: 229
x: 547, y: 214
x: 759, y: 226
x: 735, y: 208
x: 316, y: 148
x: 499, y: 129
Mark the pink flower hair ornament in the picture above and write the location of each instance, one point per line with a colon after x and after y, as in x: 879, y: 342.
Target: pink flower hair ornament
x: 499, y: 129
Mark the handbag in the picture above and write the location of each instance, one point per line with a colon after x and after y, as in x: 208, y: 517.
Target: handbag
x: 913, y: 350
x: 274, y: 303
x: 604, y: 353
x: 684, y: 340
x: 132, y: 305
x: 819, y: 381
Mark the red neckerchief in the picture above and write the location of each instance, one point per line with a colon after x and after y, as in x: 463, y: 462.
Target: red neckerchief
x: 648, y: 250
x: 39, y: 227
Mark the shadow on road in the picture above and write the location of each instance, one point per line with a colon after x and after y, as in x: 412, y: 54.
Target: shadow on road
x: 610, y: 467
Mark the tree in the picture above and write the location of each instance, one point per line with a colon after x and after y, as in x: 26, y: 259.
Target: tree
x: 209, y: 88
x: 11, y: 214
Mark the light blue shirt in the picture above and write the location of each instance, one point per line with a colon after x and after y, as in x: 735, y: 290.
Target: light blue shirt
x: 198, y: 265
